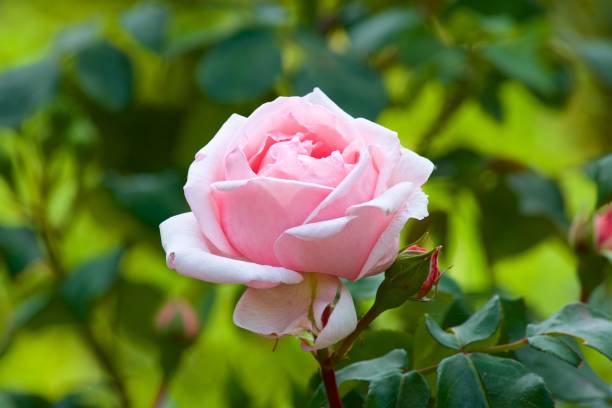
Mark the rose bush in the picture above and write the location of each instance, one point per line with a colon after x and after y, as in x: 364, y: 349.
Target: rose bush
x: 287, y: 202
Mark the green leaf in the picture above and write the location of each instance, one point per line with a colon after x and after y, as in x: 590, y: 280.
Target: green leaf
x: 598, y: 57
x: 24, y: 90
x: 90, y: 281
x: 600, y: 171
x: 137, y: 305
x: 481, y: 380
x: 566, y: 382
x: 21, y: 316
x: 522, y: 60
x: 349, y: 83
x: 592, y: 328
x: 19, y: 247
x: 241, y: 68
x: 75, y: 38
x: 399, y: 390
x: 539, y: 196
x: 556, y: 347
x: 480, y: 326
x: 148, y: 24
x: 105, y: 74
x: 374, y: 32
x: 378, y: 343
x: 403, y: 279
x: 150, y: 197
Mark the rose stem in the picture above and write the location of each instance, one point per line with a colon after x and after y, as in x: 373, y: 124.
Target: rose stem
x: 328, y: 375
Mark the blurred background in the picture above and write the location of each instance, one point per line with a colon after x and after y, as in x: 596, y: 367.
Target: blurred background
x: 103, y: 105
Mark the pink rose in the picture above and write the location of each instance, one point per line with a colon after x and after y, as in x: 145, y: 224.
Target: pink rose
x: 603, y: 230
x: 289, y: 200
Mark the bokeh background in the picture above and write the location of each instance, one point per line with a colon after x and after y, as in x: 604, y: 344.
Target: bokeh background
x: 103, y: 105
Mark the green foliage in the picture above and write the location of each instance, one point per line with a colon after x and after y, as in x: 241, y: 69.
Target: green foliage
x: 25, y: 90
x: 148, y: 24
x: 601, y: 172
x: 407, y: 390
x: 19, y: 247
x: 557, y: 347
x: 480, y: 326
x: 591, y: 327
x: 225, y: 76
x: 480, y: 380
x: 105, y: 74
x: 91, y: 281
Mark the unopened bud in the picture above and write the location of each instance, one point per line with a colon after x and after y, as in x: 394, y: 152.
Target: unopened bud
x: 434, y: 274
x: 602, y: 228
x: 178, y: 319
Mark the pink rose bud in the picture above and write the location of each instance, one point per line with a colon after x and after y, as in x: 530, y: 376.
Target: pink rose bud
x: 434, y: 272
x: 178, y: 319
x: 603, y: 230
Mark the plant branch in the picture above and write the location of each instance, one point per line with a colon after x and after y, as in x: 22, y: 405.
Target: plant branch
x: 328, y: 376
x: 348, y: 342
x: 503, y: 348
x: 162, y: 392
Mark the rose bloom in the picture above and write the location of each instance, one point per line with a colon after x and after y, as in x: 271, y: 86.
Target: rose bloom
x: 603, y: 229
x: 289, y: 200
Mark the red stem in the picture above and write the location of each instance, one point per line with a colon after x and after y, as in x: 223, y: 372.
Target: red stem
x: 331, y: 386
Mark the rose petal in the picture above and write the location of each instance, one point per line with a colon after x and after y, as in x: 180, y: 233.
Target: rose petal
x: 357, y: 187
x: 254, y: 213
x: 206, y: 169
x: 187, y: 253
x: 286, y: 310
x: 411, y: 167
x: 343, y: 246
x: 318, y: 97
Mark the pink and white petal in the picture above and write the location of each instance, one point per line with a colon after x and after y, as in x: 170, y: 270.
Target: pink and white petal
x: 412, y: 167
x: 237, y: 166
x: 387, y: 246
x: 341, y: 323
x: 386, y: 152
x: 358, y: 186
x: 318, y: 97
x: 205, y: 170
x: 285, y: 310
x: 342, y: 246
x: 187, y: 253
x: 333, y: 130
x: 254, y: 213
x: 276, y: 312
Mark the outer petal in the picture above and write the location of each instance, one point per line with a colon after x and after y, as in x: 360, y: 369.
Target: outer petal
x: 343, y: 246
x: 206, y: 169
x: 254, y: 213
x: 293, y: 310
x: 318, y: 97
x: 187, y: 253
x: 412, y: 167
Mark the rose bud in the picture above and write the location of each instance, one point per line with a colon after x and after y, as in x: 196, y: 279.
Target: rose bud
x: 603, y: 230
x: 178, y: 320
x: 434, y: 274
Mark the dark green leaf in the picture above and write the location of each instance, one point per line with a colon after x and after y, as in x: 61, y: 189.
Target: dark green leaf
x: 105, y: 74
x: 399, y: 390
x: 481, y: 326
x: 352, y: 85
x: 241, y: 68
x: 21, y: 316
x: 577, y: 320
x: 152, y: 198
x: 522, y: 60
x: 600, y: 171
x: 376, y: 31
x: 22, y: 400
x: 598, y: 56
x: 481, y: 380
x: 539, y: 196
x: 137, y: 305
x: 148, y: 24
x: 576, y: 384
x: 19, y: 248
x: 26, y: 89
x: 90, y: 281
x: 374, y: 343
x: 556, y: 347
